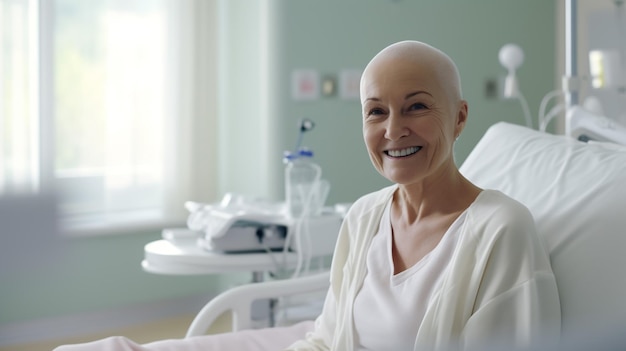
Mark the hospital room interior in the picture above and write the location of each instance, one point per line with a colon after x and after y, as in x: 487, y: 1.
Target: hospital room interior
x: 139, y: 137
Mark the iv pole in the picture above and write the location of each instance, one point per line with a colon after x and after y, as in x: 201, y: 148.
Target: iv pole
x: 570, y: 84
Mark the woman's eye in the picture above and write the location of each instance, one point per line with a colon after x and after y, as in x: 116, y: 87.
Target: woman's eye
x: 375, y: 111
x: 417, y: 106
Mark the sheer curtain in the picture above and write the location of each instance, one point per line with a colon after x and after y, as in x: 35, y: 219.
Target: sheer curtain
x: 192, y: 171
x: 18, y: 110
x: 111, y: 105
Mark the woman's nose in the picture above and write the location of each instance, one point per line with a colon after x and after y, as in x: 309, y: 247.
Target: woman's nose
x: 395, y: 127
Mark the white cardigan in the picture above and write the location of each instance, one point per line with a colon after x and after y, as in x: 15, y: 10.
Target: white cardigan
x: 499, y: 289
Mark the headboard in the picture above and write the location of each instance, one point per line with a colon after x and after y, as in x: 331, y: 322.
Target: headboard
x: 577, y: 193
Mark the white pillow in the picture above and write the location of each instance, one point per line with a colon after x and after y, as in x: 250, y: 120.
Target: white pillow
x: 577, y: 194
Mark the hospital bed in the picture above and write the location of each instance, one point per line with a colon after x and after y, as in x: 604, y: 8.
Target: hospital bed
x: 577, y: 193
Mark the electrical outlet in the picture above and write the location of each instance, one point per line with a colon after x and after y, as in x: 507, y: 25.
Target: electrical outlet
x: 491, y: 88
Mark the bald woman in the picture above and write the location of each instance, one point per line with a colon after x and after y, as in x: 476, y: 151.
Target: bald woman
x: 432, y: 262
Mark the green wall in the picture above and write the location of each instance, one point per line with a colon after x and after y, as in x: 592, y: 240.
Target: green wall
x: 91, y: 274
x: 331, y: 35
x: 258, y: 121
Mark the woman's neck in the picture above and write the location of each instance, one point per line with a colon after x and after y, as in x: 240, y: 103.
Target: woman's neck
x: 435, y: 196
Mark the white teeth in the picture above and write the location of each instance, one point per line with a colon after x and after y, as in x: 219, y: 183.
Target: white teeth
x: 403, y: 152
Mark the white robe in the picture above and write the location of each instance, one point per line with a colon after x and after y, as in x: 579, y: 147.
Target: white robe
x: 499, y: 289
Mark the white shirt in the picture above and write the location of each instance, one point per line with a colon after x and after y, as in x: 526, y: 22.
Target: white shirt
x: 389, y: 309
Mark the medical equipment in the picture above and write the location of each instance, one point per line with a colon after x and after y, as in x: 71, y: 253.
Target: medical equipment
x: 234, y: 232
x: 511, y: 56
x: 587, y: 126
x: 251, y: 225
x: 586, y: 120
x: 305, y: 191
x: 246, y: 225
x: 304, y: 195
x: 240, y: 233
x: 304, y: 126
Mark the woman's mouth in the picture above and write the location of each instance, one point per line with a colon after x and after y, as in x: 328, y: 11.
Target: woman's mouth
x: 403, y: 152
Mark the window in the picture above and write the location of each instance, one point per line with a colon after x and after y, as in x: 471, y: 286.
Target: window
x: 100, y: 105
x: 18, y: 113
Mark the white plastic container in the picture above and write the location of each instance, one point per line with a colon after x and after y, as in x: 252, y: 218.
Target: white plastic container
x: 302, y: 179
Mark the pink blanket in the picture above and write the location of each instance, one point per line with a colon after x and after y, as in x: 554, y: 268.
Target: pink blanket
x: 268, y: 339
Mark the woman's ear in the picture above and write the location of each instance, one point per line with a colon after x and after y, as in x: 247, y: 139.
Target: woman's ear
x: 461, y: 118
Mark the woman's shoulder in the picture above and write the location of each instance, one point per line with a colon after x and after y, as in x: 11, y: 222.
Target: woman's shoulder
x: 495, y: 200
x: 495, y: 206
x: 370, y: 204
x: 495, y: 216
x: 371, y: 201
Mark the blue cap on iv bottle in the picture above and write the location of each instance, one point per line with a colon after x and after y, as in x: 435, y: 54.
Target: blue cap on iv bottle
x: 302, y: 152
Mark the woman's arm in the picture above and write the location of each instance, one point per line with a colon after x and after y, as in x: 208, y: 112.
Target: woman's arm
x: 517, y: 302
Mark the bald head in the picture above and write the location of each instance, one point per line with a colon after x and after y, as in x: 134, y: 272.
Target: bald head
x: 415, y: 55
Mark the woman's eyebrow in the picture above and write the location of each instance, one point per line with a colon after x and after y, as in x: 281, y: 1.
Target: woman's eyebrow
x: 371, y: 99
x: 407, y: 96
x: 410, y: 95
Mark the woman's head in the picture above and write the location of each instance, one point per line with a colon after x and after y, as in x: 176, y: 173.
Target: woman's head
x: 412, y: 111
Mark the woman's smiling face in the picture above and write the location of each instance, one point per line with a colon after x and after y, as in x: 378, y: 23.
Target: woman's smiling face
x: 412, y: 114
